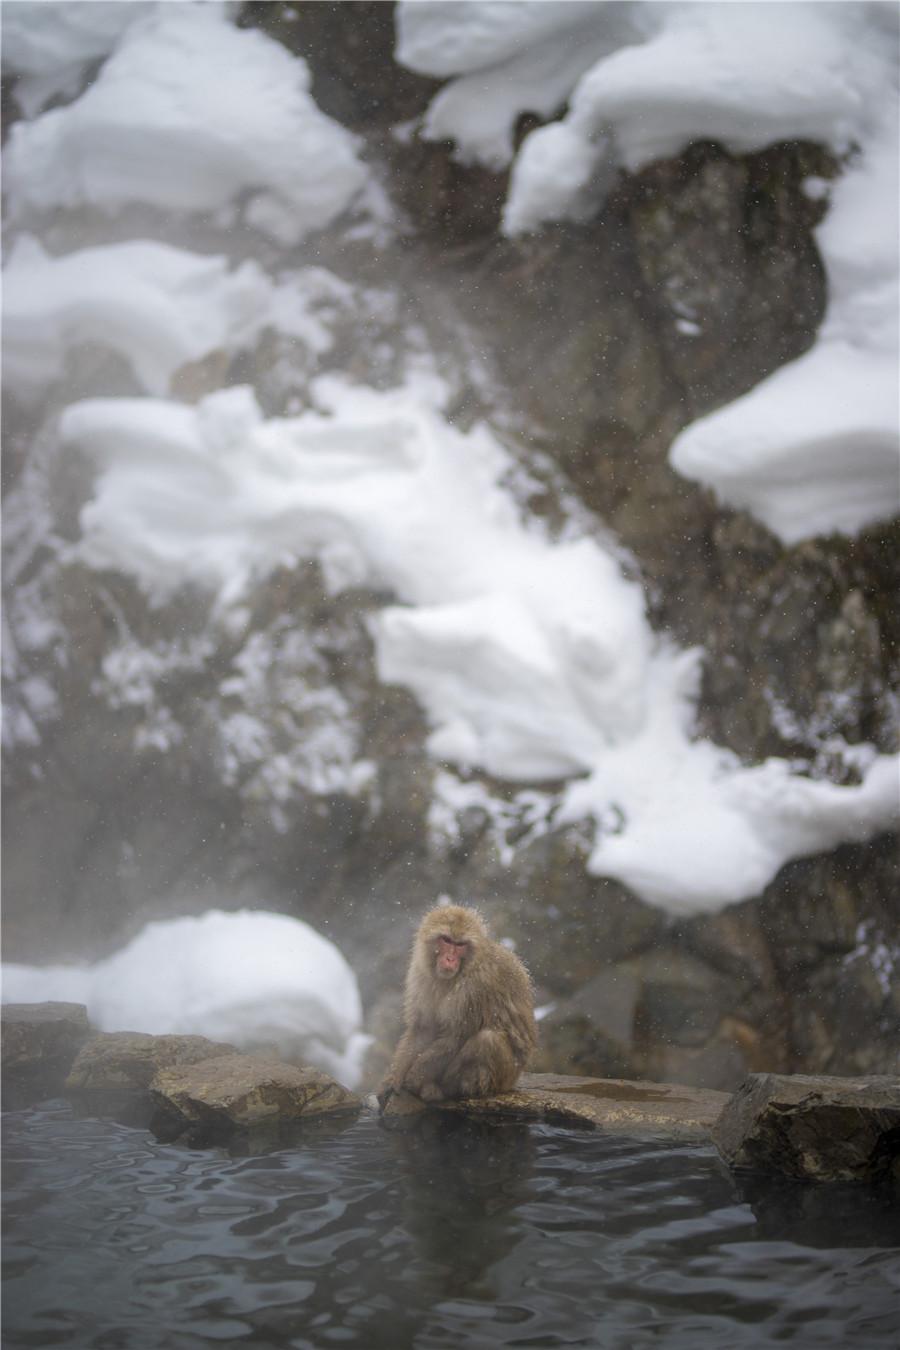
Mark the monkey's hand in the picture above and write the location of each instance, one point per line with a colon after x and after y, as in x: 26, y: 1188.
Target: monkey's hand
x: 483, y: 1065
x: 385, y: 1093
x: 431, y: 1092
x: 424, y: 1074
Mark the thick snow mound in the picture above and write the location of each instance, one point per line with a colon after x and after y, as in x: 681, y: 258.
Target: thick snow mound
x: 531, y: 655
x: 188, y: 113
x: 159, y: 307
x: 385, y: 492
x: 49, y: 45
x: 511, y: 58
x: 816, y: 448
x: 156, y: 306
x: 811, y: 450
x: 250, y: 978
x: 714, y: 72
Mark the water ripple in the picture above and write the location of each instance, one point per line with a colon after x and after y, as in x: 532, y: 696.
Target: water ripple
x: 460, y: 1234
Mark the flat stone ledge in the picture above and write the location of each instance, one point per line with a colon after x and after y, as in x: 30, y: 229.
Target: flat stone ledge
x: 39, y: 1042
x: 813, y: 1127
x: 619, y: 1106
x: 213, y: 1098
x: 119, y: 1061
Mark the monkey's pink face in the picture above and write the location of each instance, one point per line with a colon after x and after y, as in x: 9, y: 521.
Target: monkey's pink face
x: 449, y: 954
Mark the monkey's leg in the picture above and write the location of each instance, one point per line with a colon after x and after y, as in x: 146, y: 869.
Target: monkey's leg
x: 483, y: 1065
x: 424, y: 1074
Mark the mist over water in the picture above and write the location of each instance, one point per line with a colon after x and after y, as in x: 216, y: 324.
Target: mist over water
x: 460, y: 1234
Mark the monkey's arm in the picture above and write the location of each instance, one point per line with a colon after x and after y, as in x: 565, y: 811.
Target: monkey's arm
x: 484, y: 1064
x: 418, y: 1061
x: 424, y: 1073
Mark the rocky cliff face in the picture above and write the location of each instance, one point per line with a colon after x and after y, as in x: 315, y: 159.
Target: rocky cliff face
x: 166, y: 759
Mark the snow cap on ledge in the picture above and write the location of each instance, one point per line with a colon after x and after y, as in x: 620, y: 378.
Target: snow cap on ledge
x: 187, y: 114
x: 249, y: 978
x: 816, y: 447
x: 531, y: 655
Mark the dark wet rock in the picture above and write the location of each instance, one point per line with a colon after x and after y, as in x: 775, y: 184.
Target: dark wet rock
x: 682, y: 999
x: 566, y: 924
x: 593, y: 1031
x: 216, y: 1097
x: 722, y: 1062
x: 120, y: 1061
x: 814, y: 1127
x: 39, y: 1043
x: 802, y: 643
x: 666, y: 1015
x: 718, y: 239
x: 459, y: 204
x: 349, y: 46
x: 618, y: 1106
x: 832, y: 925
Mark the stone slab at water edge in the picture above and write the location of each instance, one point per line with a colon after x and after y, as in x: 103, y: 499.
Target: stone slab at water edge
x: 216, y: 1097
x: 612, y: 1104
x: 41, y: 1033
x: 39, y: 1042
x: 115, y: 1061
x: 814, y: 1127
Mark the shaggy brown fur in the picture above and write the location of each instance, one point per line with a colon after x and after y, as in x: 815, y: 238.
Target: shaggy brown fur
x: 469, y: 1012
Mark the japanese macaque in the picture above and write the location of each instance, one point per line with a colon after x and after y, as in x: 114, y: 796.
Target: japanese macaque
x: 469, y: 1012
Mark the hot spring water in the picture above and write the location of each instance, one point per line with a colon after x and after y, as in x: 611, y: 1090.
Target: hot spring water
x: 460, y: 1234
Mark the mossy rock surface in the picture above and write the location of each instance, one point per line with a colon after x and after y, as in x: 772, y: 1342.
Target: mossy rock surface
x: 216, y: 1097
x: 121, y: 1060
x: 617, y: 1105
x: 41, y: 1037
x: 813, y: 1126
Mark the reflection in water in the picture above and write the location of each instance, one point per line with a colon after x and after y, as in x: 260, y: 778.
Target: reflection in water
x: 463, y: 1181
x: 813, y: 1216
x: 457, y: 1233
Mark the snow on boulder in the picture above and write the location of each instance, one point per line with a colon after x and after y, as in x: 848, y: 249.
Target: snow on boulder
x: 816, y: 447
x: 530, y: 654
x: 249, y: 978
x: 159, y: 307
x: 186, y: 115
x: 49, y: 46
x: 510, y: 58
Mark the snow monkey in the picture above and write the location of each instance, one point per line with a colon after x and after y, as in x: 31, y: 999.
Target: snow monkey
x: 469, y: 1012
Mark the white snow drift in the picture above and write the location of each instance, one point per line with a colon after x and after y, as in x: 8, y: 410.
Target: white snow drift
x: 188, y: 113
x: 249, y: 978
x: 532, y: 656
x: 49, y: 45
x: 158, y: 307
x: 816, y: 447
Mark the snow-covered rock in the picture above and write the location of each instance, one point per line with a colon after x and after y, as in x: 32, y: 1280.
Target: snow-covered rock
x: 186, y: 115
x: 49, y: 45
x: 816, y: 447
x: 531, y: 655
x: 247, y: 978
x: 159, y: 307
